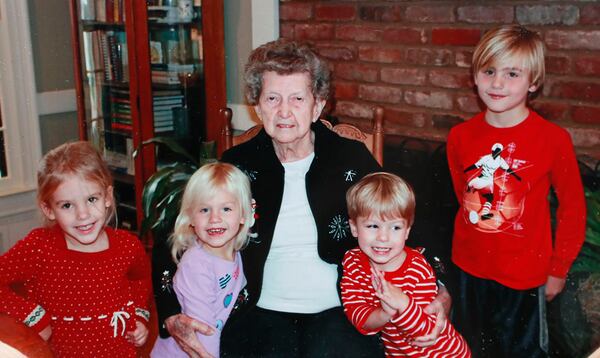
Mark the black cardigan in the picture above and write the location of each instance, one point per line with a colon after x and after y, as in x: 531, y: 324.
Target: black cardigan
x: 338, y: 164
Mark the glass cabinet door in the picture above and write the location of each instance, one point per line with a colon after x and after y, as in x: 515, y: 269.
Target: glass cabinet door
x: 177, y: 76
x: 108, y: 122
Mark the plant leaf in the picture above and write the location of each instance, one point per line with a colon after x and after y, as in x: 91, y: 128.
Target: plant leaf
x: 152, y: 188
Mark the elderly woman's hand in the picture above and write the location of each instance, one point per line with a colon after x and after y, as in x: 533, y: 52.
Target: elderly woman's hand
x: 440, y: 306
x: 182, y: 328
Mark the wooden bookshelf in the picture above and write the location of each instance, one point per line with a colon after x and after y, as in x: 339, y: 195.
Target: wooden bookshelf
x: 143, y: 69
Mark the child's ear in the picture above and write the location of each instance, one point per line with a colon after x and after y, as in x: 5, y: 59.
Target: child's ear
x: 353, y: 227
x: 533, y: 88
x: 108, y: 200
x: 48, y: 213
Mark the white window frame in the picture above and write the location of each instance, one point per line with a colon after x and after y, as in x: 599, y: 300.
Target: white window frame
x: 19, y: 110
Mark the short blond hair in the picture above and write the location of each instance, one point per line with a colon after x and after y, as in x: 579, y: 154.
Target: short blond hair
x: 512, y: 41
x: 381, y: 194
x: 202, y: 185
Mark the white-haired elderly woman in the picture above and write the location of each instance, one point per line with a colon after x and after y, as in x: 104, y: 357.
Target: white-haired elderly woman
x: 299, y: 172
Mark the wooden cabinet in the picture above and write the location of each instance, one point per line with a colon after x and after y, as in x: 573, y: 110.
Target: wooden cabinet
x: 146, y: 68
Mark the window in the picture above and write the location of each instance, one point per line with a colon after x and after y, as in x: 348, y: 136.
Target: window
x: 19, y: 129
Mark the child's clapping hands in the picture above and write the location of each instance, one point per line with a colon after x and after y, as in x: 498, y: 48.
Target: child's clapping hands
x: 393, y: 300
x: 138, y: 336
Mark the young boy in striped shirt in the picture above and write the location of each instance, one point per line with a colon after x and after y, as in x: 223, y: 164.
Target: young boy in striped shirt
x: 386, y: 285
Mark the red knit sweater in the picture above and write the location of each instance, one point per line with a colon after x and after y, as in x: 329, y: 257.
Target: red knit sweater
x: 502, y: 229
x: 78, y: 293
x: 416, y: 278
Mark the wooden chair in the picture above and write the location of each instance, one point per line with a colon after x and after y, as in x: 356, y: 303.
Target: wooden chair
x: 373, y: 141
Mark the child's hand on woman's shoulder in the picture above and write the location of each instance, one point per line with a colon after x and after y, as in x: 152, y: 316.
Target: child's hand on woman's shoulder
x: 138, y: 336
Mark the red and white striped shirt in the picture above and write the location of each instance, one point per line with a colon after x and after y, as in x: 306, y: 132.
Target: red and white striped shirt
x: 416, y: 278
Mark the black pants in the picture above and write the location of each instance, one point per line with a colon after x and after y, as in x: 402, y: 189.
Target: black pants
x: 498, y: 321
x: 265, y: 333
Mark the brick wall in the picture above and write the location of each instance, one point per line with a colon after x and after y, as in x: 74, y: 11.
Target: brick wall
x: 413, y: 58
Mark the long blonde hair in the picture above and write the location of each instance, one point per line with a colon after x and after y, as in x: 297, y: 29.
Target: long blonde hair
x: 202, y: 185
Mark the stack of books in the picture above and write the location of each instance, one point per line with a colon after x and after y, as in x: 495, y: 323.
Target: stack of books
x: 166, y: 105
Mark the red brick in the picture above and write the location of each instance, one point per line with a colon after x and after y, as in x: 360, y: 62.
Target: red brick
x: 464, y: 58
x: 405, y: 35
x: 429, y: 57
x: 551, y: 110
x: 380, y: 54
x: 314, y: 31
x: 381, y: 13
x: 485, y: 14
x: 585, y: 137
x: 344, y: 53
x: 586, y: 114
x: 450, y: 79
x: 430, y: 13
x: 547, y: 14
x: 286, y: 30
x: 358, y: 33
x: 558, y: 64
x: 355, y: 72
x: 295, y: 11
x: 470, y: 103
x: 583, y: 91
x: 345, y: 90
x: 380, y: 93
x: 590, y: 15
x: 352, y: 109
x: 455, y: 37
x: 429, y: 99
x: 587, y: 65
x: 573, y: 39
x: 395, y: 119
x: 404, y: 76
x: 335, y: 12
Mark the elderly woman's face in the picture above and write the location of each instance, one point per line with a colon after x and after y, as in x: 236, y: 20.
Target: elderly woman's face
x: 287, y: 107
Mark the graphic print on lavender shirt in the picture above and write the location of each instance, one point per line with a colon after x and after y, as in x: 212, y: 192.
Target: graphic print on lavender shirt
x: 494, y: 199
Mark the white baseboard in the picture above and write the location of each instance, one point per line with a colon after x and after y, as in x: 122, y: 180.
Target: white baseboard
x: 52, y: 102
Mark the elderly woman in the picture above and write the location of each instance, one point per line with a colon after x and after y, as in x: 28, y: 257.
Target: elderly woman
x: 299, y: 172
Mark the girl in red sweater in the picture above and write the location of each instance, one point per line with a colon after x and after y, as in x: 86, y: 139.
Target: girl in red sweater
x: 87, y: 284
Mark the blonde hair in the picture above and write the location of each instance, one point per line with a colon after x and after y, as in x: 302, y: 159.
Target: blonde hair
x: 79, y: 159
x: 202, y: 185
x: 381, y: 194
x: 512, y: 41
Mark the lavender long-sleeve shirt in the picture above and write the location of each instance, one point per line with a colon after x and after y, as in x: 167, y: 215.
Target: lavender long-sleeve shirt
x: 206, y: 287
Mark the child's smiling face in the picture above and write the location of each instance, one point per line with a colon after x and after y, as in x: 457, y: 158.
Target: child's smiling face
x: 382, y: 240
x: 216, y: 222
x: 80, y: 207
x: 503, y: 86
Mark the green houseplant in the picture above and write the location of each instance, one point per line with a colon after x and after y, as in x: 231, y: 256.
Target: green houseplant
x: 162, y: 193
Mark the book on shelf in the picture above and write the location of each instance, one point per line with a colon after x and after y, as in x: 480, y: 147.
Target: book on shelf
x: 110, y: 11
x: 87, y: 9
x: 112, y: 55
x: 101, y: 10
x: 121, y: 127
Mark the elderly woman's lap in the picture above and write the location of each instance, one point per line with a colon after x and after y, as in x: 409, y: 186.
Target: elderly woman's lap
x: 264, y: 333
